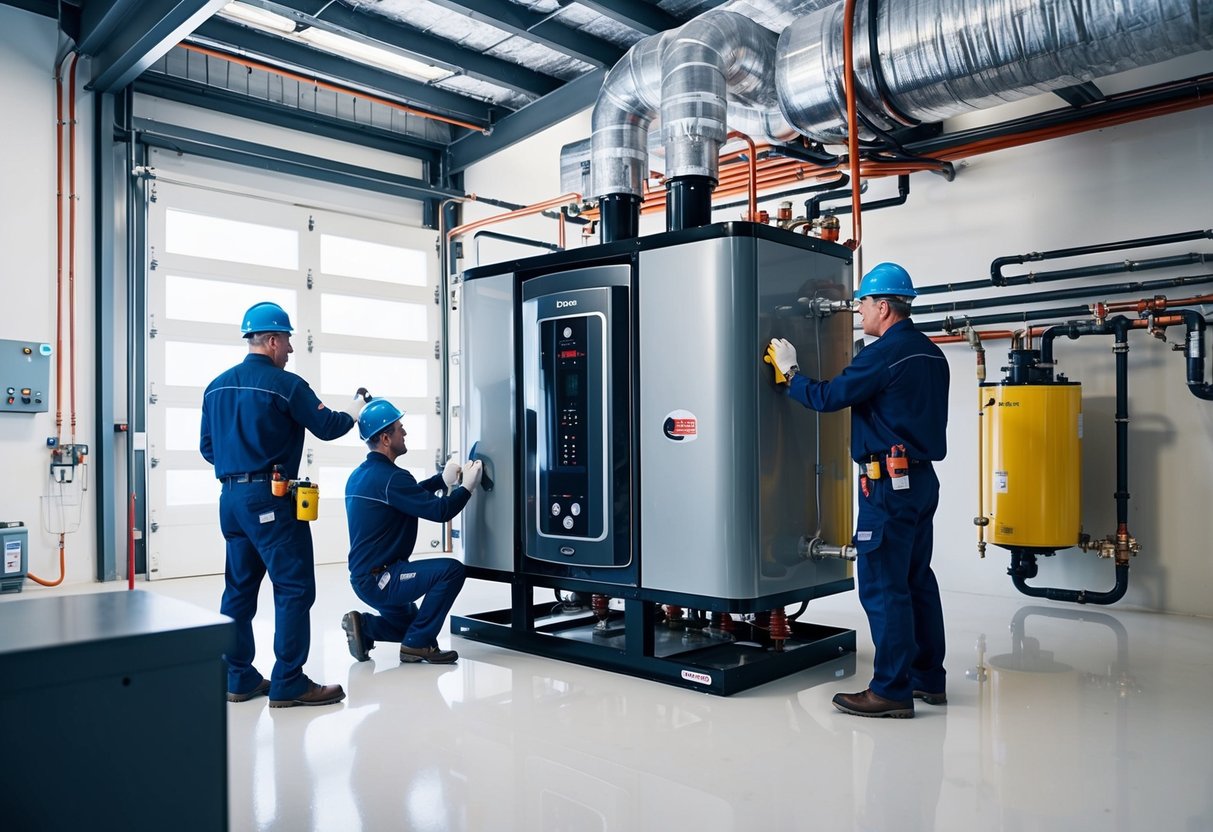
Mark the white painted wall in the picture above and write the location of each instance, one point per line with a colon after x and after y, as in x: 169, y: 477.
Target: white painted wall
x: 1136, y: 180
x: 28, y: 45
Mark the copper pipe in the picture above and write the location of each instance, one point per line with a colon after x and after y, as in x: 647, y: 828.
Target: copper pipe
x: 62, y: 569
x: 325, y: 85
x: 752, y: 170
x: 72, y: 199
x: 537, y: 208
x: 848, y: 71
x: 1156, y: 304
x: 560, y: 229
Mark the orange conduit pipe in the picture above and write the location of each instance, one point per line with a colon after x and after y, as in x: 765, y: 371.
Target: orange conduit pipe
x: 848, y: 71
x: 325, y: 85
x: 752, y: 171
x: 537, y: 208
x: 74, y: 58
x: 72, y: 199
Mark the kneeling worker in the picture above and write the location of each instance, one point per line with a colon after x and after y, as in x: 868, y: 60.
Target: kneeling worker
x: 382, y: 505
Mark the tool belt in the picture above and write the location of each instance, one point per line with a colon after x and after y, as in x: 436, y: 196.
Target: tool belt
x: 884, y: 471
x: 238, y: 478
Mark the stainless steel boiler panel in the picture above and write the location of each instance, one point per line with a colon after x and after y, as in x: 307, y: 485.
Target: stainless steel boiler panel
x: 728, y: 488
x: 486, y: 358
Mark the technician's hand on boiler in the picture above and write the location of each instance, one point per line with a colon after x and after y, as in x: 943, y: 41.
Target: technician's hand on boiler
x: 783, y: 355
x: 472, y: 474
x: 450, y: 473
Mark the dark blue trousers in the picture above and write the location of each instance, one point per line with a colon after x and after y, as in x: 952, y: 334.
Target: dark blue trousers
x: 392, y: 593
x: 263, y: 536
x: 897, y: 588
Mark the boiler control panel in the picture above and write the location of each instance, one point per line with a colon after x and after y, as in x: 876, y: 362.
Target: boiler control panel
x: 25, y: 375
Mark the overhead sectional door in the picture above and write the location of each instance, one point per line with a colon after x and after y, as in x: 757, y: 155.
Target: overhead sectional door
x: 360, y: 293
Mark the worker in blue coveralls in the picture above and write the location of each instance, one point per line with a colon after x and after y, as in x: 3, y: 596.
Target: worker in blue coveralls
x: 253, y: 419
x: 897, y: 389
x: 382, y: 505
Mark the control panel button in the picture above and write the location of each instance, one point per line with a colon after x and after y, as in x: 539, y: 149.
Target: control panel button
x: 568, y: 332
x: 555, y: 509
x: 575, y: 509
x: 568, y: 522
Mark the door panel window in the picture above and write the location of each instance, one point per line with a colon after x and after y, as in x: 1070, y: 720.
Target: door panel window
x: 187, y: 487
x: 188, y: 364
x: 182, y: 426
x: 219, y: 301
x: 373, y: 318
x: 386, y: 376
x: 217, y: 238
x: 348, y: 257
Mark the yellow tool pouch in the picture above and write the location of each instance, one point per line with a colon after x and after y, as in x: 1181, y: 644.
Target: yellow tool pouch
x: 307, y: 500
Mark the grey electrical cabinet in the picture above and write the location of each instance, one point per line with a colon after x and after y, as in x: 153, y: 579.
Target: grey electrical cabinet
x: 115, y: 700
x: 25, y: 376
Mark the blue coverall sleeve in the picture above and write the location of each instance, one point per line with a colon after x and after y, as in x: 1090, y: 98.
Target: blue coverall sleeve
x: 205, y: 443
x: 310, y: 412
x: 407, y: 495
x: 861, y: 380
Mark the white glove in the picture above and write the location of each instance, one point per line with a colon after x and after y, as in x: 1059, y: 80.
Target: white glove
x: 472, y: 474
x: 361, y: 397
x: 450, y: 474
x: 785, y: 356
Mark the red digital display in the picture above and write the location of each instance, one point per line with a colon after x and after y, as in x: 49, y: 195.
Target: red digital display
x: 568, y: 354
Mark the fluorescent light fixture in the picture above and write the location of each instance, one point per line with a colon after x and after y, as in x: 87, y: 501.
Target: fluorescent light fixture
x: 367, y: 54
x: 259, y: 18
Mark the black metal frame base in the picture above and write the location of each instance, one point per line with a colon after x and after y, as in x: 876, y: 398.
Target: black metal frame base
x: 688, y: 656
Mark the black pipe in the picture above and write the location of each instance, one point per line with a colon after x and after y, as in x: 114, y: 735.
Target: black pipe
x: 802, y: 154
x: 903, y: 193
x: 508, y: 238
x: 1133, y: 287
x: 950, y: 324
x: 841, y: 179
x: 1024, y: 563
x: 688, y: 202
x: 812, y: 207
x: 619, y: 217
x: 1066, y: 274
x: 1196, y: 355
x: 996, y: 266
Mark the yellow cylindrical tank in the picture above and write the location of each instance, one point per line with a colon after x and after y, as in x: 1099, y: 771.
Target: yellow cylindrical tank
x: 1032, y: 461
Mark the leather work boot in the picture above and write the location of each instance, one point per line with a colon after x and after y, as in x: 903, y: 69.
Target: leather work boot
x: 428, y: 654
x: 359, y: 644
x: 932, y: 698
x: 263, y: 687
x: 867, y: 703
x: 315, y: 695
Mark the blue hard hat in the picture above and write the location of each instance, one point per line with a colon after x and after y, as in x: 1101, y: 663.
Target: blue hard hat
x: 265, y: 317
x: 886, y: 279
x: 377, y: 415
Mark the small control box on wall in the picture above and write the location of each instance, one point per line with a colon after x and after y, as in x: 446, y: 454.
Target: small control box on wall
x: 25, y: 376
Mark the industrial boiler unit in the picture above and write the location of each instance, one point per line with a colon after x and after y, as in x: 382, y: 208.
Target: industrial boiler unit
x: 657, y: 501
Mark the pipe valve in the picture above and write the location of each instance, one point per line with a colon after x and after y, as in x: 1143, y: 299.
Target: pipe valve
x: 818, y: 549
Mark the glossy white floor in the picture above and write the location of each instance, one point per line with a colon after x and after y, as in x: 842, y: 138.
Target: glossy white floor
x: 1060, y: 718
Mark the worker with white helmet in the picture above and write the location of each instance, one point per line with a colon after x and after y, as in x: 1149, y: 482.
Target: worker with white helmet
x: 382, y: 505
x: 897, y: 389
x: 253, y: 420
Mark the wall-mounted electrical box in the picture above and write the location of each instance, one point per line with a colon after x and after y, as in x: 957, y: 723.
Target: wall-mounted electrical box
x: 14, y: 539
x: 25, y: 376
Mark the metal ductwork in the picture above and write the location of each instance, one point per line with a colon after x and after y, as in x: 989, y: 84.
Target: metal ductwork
x: 989, y: 54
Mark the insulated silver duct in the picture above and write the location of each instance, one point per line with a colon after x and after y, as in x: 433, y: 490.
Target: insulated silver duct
x: 625, y: 108
x: 716, y: 70
x: 715, y: 55
x: 941, y: 58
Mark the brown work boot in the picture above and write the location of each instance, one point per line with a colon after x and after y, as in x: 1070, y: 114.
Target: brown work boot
x: 427, y: 654
x: 263, y: 687
x: 867, y: 703
x: 931, y: 698
x: 315, y: 695
x: 359, y: 644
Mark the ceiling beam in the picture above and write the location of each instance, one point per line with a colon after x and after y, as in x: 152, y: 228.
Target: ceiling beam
x: 125, y: 37
x: 572, y: 98
x: 635, y: 14
x: 538, y: 28
x: 385, y: 33
x: 241, y: 105
x: 299, y: 56
x: 265, y: 157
